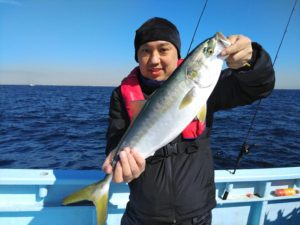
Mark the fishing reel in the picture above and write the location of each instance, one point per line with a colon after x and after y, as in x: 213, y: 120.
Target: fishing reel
x: 245, y: 149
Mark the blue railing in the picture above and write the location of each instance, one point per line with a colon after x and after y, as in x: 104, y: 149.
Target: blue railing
x: 34, y: 197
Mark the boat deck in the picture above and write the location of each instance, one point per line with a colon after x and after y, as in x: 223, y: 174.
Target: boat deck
x: 33, y: 197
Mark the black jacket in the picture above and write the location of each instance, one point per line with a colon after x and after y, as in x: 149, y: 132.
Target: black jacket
x: 177, y: 186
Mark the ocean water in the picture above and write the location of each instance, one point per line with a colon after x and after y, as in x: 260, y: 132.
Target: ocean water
x: 64, y: 127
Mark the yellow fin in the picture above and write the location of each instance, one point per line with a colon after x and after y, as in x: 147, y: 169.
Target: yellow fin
x: 202, y: 114
x: 101, y: 203
x: 97, y: 193
x: 188, y: 98
x: 81, y: 195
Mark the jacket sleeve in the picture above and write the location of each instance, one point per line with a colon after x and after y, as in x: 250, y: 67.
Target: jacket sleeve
x: 244, y: 86
x: 118, y: 121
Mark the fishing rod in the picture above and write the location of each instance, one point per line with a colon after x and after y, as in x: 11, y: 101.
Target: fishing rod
x: 196, y: 28
x: 245, y: 148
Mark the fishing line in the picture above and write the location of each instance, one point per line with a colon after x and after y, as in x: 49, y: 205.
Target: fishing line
x: 196, y: 28
x: 285, y: 31
x: 246, y: 147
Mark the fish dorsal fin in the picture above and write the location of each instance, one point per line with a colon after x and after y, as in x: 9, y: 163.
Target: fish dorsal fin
x: 188, y: 98
x: 136, y: 107
x: 201, y: 116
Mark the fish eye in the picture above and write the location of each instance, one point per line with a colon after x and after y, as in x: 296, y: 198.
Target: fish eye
x: 208, y: 50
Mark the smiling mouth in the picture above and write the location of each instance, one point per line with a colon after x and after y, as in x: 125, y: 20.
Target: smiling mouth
x: 155, y: 70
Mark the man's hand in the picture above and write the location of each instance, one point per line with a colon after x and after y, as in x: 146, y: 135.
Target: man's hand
x: 130, y: 166
x: 239, y: 52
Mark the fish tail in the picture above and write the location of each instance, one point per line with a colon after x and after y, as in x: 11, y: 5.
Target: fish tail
x: 97, y: 193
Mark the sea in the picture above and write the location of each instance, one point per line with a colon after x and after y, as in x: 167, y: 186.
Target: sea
x: 64, y: 127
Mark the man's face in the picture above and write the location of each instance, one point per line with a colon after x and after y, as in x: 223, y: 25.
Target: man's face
x: 157, y: 59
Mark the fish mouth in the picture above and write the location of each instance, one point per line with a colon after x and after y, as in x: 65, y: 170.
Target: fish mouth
x: 221, y: 38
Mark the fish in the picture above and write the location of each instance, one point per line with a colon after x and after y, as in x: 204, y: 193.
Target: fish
x: 181, y: 99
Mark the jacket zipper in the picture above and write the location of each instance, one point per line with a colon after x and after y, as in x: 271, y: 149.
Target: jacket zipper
x: 173, y: 197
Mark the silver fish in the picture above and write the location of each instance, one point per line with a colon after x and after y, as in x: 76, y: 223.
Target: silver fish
x: 165, y: 115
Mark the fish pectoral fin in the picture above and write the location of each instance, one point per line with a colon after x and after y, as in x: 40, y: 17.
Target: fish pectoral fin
x: 97, y: 193
x: 188, y: 98
x: 136, y: 107
x: 202, y: 114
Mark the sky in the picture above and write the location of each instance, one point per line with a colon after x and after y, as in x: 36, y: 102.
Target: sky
x: 85, y: 42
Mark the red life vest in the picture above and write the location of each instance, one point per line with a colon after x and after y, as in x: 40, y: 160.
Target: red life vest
x: 131, y: 91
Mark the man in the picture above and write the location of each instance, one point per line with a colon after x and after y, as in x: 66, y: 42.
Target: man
x: 176, y: 185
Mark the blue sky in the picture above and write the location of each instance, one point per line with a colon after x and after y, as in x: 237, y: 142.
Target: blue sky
x: 82, y: 42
